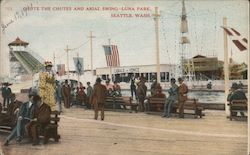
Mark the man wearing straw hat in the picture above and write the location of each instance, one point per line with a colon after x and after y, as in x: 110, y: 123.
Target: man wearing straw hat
x: 46, y: 86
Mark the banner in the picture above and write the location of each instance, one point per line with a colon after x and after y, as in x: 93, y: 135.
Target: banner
x: 78, y: 61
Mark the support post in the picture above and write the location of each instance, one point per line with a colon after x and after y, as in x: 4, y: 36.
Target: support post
x: 67, y: 51
x: 156, y: 18
x: 226, y: 67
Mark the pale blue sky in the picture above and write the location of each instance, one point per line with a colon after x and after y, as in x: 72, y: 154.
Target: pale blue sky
x: 51, y: 31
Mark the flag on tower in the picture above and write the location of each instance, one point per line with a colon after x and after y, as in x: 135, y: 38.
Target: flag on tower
x: 112, y: 55
x: 237, y: 39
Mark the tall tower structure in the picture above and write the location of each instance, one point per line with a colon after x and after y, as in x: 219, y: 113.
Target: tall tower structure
x: 22, y: 61
x: 186, y: 68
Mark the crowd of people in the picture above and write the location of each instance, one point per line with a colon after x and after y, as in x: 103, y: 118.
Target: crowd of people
x: 35, y: 113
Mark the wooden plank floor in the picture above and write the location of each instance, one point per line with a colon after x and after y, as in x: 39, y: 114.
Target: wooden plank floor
x: 126, y: 133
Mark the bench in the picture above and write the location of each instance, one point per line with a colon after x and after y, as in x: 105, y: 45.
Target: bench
x: 156, y: 104
x: 237, y: 106
x: 193, y: 106
x: 8, y: 118
x: 51, y: 130
x: 121, y: 103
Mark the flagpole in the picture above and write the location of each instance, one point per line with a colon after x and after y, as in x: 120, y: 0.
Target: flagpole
x: 67, y: 51
x: 78, y: 75
x: 91, y: 51
x: 54, y: 61
x: 226, y: 66
x: 110, y: 67
x: 156, y: 18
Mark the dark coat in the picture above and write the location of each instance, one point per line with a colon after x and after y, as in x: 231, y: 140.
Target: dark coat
x: 183, y: 90
x: 6, y: 92
x: 99, y: 93
x: 236, y: 95
x: 66, y: 91
x: 42, y: 114
x: 141, y: 91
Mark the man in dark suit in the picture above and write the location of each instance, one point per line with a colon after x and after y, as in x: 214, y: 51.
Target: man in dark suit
x: 66, y: 94
x: 26, y: 114
x: 6, y: 94
x: 98, y: 98
x: 41, y: 119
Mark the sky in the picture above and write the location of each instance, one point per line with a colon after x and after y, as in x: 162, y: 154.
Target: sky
x: 50, y: 31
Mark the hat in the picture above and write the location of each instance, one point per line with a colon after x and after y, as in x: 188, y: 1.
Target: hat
x: 48, y: 64
x: 6, y: 84
x: 172, y: 80
x: 234, y: 86
x: 98, y: 80
x: 180, y: 79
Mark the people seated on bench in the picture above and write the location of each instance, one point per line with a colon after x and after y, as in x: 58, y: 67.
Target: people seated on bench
x: 25, y: 115
x: 109, y: 86
x: 141, y: 92
x: 9, y: 118
x: 116, y: 90
x: 182, y: 91
x: 158, y: 94
x: 40, y: 120
x: 236, y: 94
x: 172, y: 98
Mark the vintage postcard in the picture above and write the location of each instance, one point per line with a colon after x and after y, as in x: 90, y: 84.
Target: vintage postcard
x: 129, y: 77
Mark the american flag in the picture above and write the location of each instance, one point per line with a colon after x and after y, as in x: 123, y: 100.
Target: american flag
x: 237, y: 39
x: 61, y: 69
x: 112, y: 55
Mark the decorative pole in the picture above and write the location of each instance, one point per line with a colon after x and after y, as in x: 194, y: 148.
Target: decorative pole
x: 110, y: 67
x: 157, y: 45
x: 226, y: 67
x: 67, y: 51
x: 91, y: 51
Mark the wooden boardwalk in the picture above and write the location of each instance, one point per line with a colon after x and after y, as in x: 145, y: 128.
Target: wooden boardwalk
x: 123, y: 133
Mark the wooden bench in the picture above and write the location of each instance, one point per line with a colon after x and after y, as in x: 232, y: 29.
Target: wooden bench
x: 237, y: 106
x: 121, y: 103
x: 156, y: 104
x: 193, y: 106
x: 9, y: 117
x: 51, y: 130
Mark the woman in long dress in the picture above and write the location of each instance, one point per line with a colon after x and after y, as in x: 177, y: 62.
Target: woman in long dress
x: 46, y: 86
